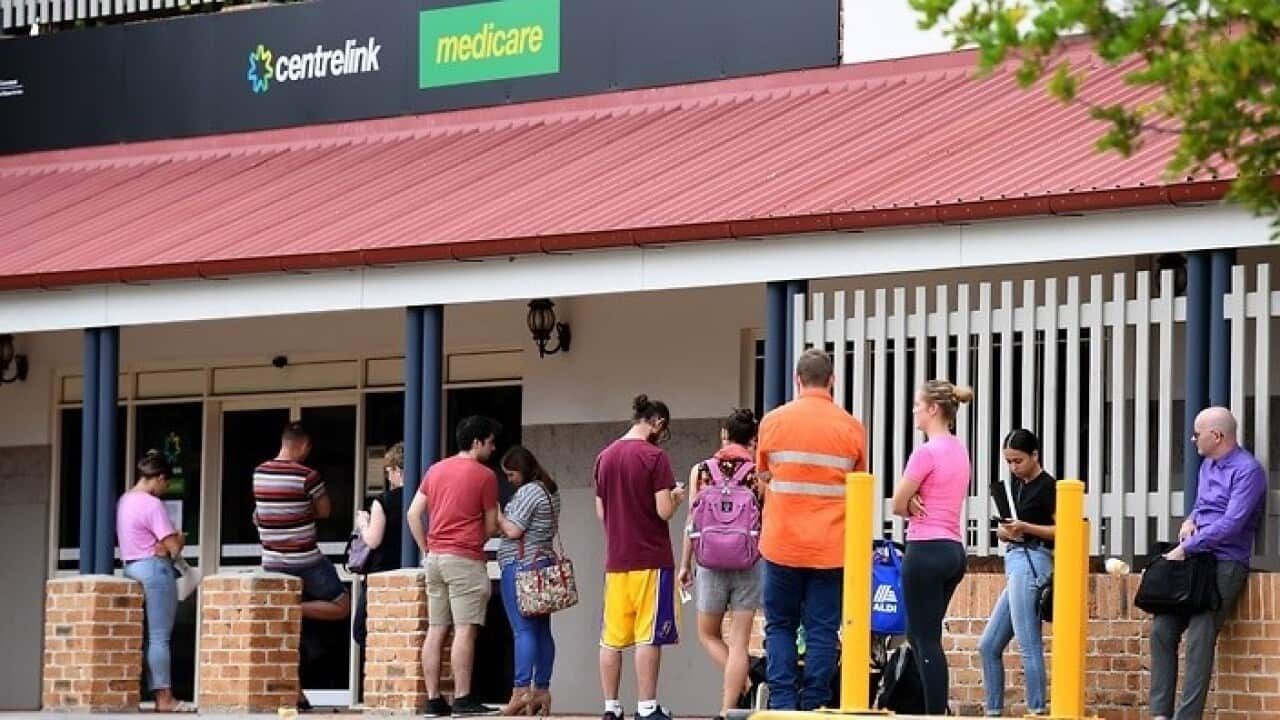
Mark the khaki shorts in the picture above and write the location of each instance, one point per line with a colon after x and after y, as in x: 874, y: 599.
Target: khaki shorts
x: 457, y: 590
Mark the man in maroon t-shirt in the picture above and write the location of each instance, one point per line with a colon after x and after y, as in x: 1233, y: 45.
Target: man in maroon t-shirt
x: 636, y: 495
x: 461, y: 495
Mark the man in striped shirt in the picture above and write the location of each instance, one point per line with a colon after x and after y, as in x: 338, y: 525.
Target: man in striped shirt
x: 289, y: 498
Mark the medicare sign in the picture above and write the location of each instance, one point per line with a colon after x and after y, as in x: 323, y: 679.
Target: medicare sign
x: 488, y: 41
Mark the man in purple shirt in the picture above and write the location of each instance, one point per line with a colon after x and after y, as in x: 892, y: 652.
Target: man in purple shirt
x: 1229, y: 505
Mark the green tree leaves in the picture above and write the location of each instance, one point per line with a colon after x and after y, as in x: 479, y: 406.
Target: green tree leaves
x: 1214, y: 63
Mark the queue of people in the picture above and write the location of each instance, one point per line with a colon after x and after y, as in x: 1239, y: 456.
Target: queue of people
x: 757, y: 537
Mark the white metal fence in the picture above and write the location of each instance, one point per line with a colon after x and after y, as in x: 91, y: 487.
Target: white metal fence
x: 23, y: 13
x: 1092, y: 365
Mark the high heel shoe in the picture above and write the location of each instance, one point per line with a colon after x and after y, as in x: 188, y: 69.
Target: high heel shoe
x: 540, y: 702
x: 521, y: 700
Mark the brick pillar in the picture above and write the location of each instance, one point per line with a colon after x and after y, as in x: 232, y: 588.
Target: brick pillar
x: 92, y: 644
x: 250, y: 627
x: 1246, y: 683
x: 397, y: 624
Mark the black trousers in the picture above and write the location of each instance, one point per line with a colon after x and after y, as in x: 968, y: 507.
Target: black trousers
x: 931, y: 570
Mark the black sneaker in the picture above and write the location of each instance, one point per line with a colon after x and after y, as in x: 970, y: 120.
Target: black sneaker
x: 468, y: 706
x: 660, y: 714
x: 610, y: 715
x: 438, y: 708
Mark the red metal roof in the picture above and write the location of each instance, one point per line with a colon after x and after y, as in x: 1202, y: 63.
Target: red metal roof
x: 895, y: 143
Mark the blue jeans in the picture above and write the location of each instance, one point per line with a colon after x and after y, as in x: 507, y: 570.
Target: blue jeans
x: 795, y: 597
x: 1015, y: 615
x: 160, y: 605
x: 535, y: 649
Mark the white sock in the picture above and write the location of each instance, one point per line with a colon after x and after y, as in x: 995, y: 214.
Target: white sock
x: 645, y: 708
x: 613, y: 706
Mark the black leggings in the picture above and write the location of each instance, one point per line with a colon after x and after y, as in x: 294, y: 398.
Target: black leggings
x: 931, y: 570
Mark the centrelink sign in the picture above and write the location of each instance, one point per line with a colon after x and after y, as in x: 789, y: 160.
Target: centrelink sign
x: 325, y: 61
x: 353, y: 58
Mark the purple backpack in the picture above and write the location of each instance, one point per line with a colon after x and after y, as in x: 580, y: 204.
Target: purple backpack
x: 726, y: 521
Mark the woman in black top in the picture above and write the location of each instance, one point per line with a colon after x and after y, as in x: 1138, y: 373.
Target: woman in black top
x: 381, y: 527
x: 1028, y: 563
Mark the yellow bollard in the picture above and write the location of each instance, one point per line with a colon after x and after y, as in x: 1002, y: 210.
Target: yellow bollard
x: 855, y: 648
x: 1070, y: 603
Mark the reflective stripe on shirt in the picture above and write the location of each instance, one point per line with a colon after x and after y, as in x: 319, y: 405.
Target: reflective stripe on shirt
x: 793, y: 487
x: 778, y: 457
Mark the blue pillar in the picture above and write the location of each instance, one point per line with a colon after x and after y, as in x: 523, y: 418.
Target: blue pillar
x: 775, y: 351
x: 432, y: 382
x: 108, y: 461
x: 1219, y: 329
x: 1196, y: 354
x: 794, y: 287
x: 412, y: 426
x: 88, y: 451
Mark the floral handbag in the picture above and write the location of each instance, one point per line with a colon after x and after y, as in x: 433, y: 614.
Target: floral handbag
x: 545, y: 582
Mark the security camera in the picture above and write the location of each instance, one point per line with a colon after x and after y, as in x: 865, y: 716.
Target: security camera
x: 280, y: 361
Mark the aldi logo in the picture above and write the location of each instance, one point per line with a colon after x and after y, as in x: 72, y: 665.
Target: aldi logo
x: 885, y: 600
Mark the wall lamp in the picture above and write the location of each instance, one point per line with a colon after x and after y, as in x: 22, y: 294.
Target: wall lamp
x: 9, y: 358
x: 542, y: 322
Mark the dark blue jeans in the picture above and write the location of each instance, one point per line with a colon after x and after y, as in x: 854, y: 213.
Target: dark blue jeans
x: 795, y: 597
x: 535, y: 649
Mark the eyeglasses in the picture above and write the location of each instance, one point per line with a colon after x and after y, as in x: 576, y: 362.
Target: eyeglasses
x: 1196, y: 435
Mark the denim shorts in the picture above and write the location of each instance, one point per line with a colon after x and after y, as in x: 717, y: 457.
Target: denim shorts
x: 320, y: 581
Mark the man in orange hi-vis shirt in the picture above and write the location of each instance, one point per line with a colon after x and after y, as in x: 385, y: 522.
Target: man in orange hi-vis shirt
x: 806, y: 448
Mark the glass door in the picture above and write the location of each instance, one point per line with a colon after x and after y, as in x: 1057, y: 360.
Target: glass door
x: 326, y: 678
x: 249, y: 438
x: 177, y: 431
x: 250, y: 435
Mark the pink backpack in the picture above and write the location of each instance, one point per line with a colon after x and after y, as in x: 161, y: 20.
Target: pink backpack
x: 726, y: 521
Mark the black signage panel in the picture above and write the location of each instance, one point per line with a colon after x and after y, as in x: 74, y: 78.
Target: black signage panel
x: 340, y: 60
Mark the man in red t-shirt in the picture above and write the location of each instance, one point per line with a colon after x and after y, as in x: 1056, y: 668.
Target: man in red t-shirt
x: 460, y: 494
x: 636, y: 495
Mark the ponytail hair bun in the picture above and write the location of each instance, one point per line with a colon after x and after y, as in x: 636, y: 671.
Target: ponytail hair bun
x: 741, y: 426
x: 645, y: 409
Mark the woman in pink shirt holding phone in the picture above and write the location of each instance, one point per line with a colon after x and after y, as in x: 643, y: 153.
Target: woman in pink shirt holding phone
x: 148, y: 545
x: 931, y: 495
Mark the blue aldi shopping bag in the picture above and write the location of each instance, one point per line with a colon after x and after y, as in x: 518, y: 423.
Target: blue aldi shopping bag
x: 888, y: 613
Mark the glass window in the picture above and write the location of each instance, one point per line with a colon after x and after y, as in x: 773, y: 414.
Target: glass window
x: 69, y: 480
x: 176, y: 430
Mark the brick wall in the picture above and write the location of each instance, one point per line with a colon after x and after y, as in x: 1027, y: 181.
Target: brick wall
x: 92, y: 644
x: 250, y: 628
x: 397, y: 625
x: 1246, y: 681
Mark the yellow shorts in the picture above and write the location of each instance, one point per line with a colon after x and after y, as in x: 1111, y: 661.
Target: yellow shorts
x: 640, y: 608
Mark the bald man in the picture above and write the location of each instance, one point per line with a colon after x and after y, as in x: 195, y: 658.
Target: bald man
x: 1229, y: 505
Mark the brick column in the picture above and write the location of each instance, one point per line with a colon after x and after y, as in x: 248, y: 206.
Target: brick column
x: 250, y: 627
x: 92, y: 644
x: 397, y: 624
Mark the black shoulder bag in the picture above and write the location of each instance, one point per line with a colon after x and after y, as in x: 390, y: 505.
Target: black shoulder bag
x: 1179, y: 587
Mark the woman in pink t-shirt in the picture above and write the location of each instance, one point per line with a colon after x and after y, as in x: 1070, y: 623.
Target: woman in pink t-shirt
x: 931, y: 495
x: 148, y: 545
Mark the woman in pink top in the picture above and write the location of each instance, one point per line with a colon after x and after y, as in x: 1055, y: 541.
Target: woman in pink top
x: 931, y: 496
x: 148, y: 544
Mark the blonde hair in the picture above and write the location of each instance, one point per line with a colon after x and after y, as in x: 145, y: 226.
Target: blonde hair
x: 394, y: 457
x: 946, y: 396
